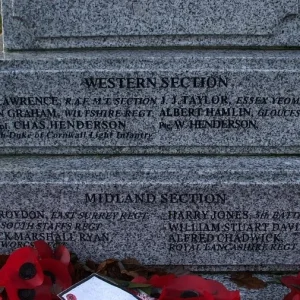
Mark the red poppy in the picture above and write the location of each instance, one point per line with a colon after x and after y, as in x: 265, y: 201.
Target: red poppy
x: 197, y: 288
x: 22, y: 272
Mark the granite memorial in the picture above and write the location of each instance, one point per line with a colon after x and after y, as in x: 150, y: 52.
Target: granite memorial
x: 97, y: 97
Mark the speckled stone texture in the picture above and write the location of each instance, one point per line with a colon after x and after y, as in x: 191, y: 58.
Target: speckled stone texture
x: 48, y: 24
x: 272, y: 291
x: 206, y: 213
x: 150, y: 102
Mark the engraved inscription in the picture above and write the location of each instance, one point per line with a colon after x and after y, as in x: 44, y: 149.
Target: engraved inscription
x: 151, y: 111
x: 232, y: 230
x: 182, y: 223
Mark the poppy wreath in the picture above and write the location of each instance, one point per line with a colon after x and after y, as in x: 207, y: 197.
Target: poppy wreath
x: 36, y: 273
x: 40, y: 273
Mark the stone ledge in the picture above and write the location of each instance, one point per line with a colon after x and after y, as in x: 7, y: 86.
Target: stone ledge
x: 128, y: 102
x: 272, y: 291
x: 49, y: 25
x: 201, y: 212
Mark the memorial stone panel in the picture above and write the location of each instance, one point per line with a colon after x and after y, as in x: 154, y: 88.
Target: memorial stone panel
x: 33, y: 24
x: 170, y: 97
x: 208, y: 213
x: 136, y: 102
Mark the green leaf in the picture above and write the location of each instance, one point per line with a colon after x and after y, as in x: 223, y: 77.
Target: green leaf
x: 147, y: 290
x: 134, y: 285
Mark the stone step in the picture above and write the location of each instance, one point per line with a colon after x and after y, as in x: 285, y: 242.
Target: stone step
x: 273, y: 291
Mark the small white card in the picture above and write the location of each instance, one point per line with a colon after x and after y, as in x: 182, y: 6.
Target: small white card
x: 96, y: 287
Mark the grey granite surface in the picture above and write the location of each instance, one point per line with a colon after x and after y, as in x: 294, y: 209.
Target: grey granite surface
x: 45, y: 24
x: 273, y: 291
x: 206, y: 213
x: 150, y: 102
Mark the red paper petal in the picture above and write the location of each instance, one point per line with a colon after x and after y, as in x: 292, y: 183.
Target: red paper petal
x: 12, y: 292
x: 187, y: 282
x: 289, y: 281
x: 208, y: 296
x: 59, y: 270
x: 43, y: 249
x: 62, y: 254
x: 43, y: 297
x: 161, y: 281
x: 292, y: 296
x: 43, y: 292
x: 139, y: 279
x: 288, y: 297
